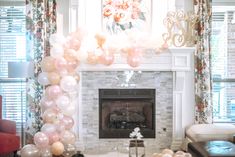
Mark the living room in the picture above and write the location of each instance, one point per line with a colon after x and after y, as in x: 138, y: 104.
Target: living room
x: 117, y: 78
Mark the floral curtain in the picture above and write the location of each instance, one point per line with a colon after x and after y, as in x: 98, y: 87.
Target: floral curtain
x: 202, y: 63
x: 40, y: 24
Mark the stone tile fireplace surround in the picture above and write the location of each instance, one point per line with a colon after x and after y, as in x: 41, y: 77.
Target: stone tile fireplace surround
x: 170, y: 74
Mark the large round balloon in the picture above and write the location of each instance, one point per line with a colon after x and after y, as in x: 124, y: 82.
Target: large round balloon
x: 53, y: 91
x: 48, y: 128
x: 30, y: 150
x: 68, y: 137
x: 60, y: 63
x: 67, y: 121
x: 46, y: 103
x: 57, y: 148
x: 62, y: 101
x: 48, y: 64
x: 68, y: 84
x: 54, y: 78
x: 69, y: 150
x: 41, y: 140
x: 50, y: 115
x: 45, y: 152
x: 106, y: 58
x: 43, y: 79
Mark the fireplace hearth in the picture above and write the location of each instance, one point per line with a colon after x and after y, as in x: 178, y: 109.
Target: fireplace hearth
x: 122, y: 110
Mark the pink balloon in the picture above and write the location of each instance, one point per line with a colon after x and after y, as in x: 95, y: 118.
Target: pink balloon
x: 134, y: 57
x: 41, y: 140
x: 107, y: 58
x: 50, y: 131
x: 72, y: 64
x: 67, y: 121
x: 46, y: 103
x: 60, y: 127
x: 60, y: 63
x: 54, y: 137
x: 67, y: 137
x: 133, y: 60
x: 48, y: 128
x: 53, y: 91
x: 50, y: 115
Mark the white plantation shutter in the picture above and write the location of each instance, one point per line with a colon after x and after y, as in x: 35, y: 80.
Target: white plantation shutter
x: 223, y: 63
x: 12, y: 49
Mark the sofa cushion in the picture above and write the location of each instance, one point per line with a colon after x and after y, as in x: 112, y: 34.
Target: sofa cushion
x: 206, y: 132
x: 9, y: 142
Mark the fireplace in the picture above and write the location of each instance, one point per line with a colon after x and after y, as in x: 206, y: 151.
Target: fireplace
x: 122, y: 110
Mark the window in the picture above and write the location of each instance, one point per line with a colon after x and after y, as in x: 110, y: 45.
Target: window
x: 12, y: 48
x: 223, y: 63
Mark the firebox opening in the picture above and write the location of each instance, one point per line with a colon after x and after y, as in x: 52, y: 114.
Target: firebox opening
x: 122, y: 110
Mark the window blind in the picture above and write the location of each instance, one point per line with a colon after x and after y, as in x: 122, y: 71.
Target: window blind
x: 12, y: 49
x: 223, y: 63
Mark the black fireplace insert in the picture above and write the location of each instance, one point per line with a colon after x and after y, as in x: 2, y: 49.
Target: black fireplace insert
x: 122, y: 110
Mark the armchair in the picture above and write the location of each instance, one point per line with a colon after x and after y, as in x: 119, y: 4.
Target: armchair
x: 9, y: 141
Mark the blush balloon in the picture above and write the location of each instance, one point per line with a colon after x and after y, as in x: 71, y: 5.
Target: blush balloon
x: 30, y: 150
x: 107, y: 58
x: 68, y: 84
x: 68, y: 137
x: 133, y: 60
x: 53, y: 91
x: 46, y: 103
x: 41, y: 140
x: 62, y: 101
x: 67, y: 121
x: 50, y: 115
x: 54, y: 137
x: 60, y: 63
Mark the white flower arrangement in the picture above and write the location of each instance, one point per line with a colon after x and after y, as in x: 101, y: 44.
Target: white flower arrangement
x: 136, y: 134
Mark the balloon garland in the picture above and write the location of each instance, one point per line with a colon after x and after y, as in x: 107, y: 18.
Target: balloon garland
x: 61, y: 81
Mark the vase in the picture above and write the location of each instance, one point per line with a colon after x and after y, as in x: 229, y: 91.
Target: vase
x: 136, y: 148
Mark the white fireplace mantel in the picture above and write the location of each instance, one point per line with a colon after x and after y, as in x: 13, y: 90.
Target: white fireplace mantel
x: 181, y: 62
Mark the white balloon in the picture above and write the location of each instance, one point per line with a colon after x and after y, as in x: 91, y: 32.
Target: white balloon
x: 68, y: 84
x: 57, y: 39
x: 57, y: 51
x: 62, y: 101
x: 43, y: 79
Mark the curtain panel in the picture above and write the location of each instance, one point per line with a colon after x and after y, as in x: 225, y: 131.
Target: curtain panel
x: 203, y: 84
x: 40, y: 24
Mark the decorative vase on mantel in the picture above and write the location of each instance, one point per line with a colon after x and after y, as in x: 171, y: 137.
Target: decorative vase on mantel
x: 136, y: 148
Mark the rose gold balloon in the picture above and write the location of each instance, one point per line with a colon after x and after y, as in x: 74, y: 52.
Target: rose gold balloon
x: 72, y: 64
x: 47, y: 64
x: 107, y: 58
x: 54, y: 78
x: 53, y: 91
x: 54, y: 137
x: 60, y: 63
x: 68, y: 137
x: 46, y: 103
x: 57, y: 148
x: 50, y: 115
x: 41, y: 140
x: 133, y: 60
x: 67, y: 121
